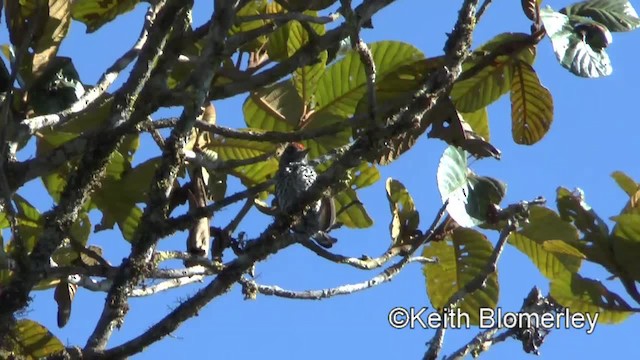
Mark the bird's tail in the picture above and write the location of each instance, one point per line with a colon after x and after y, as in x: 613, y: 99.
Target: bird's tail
x: 323, y: 239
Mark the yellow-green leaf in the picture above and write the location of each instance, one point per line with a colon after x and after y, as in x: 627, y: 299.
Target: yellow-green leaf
x: 461, y: 257
x: 587, y: 296
x: 277, y: 43
x: 305, y: 79
x: 626, y: 183
x: 276, y: 108
x: 234, y: 149
x: 561, y: 247
x: 345, y: 82
x: 626, y: 244
x: 355, y: 215
x: 405, y: 219
x: 252, y: 8
x: 95, y: 13
x: 493, y: 80
x: 364, y: 175
x: 33, y: 340
x: 545, y: 225
x: 531, y: 105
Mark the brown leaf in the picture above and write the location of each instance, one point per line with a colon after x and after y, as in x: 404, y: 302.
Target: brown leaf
x: 64, y: 295
x: 199, y: 235
x: 55, y: 28
x: 531, y: 8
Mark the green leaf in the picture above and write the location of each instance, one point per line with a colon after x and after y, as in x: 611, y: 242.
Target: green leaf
x: 276, y: 108
x: 461, y: 257
x: 485, y: 192
x: 571, y: 46
x: 252, y: 8
x: 119, y: 163
x: 453, y: 184
x: 596, y: 244
x: 573, y: 207
x: 545, y: 225
x: 305, y: 79
x: 81, y: 229
x: 299, y: 5
x: 129, y: 223
x: 364, y: 175
x: 277, y: 43
x: 6, y: 262
x: 583, y: 295
x: 95, y: 13
x: 392, y: 92
x: 405, y: 219
x: 492, y: 81
x: 137, y: 181
x: 324, y: 144
x: 234, y: 149
x: 531, y: 105
x: 30, y: 224
x: 562, y: 247
x: 345, y: 82
x: 616, y: 15
x: 469, y: 196
x: 355, y: 215
x: 452, y: 173
x: 117, y: 206
x: 626, y: 244
x: 395, y: 87
x: 33, y: 340
x: 626, y: 183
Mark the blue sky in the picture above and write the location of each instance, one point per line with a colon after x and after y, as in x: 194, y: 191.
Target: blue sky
x: 593, y: 134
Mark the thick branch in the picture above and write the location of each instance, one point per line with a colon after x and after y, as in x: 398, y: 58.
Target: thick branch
x: 132, y: 270
x: 129, y: 104
x: 268, y: 243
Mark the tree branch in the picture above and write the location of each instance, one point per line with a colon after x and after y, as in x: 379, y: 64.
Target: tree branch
x: 183, y: 222
x: 269, y: 242
x: 156, y: 211
x: 129, y: 106
x: 289, y: 16
x: 305, y: 56
x: 34, y: 124
x: 250, y: 288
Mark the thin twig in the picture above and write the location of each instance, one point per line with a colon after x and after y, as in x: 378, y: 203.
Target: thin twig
x: 104, y: 285
x: 483, y: 340
x: 254, y: 135
x: 34, y: 124
x: 183, y: 222
x: 366, y: 57
x: 233, y: 224
x: 250, y: 287
x: 481, y: 10
x: 289, y: 16
x: 477, y: 283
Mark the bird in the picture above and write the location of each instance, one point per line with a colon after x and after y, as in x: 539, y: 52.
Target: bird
x: 294, y: 176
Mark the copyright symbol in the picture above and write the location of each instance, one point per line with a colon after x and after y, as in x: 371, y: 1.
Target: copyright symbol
x: 398, y: 317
